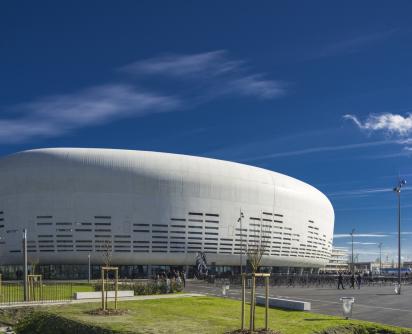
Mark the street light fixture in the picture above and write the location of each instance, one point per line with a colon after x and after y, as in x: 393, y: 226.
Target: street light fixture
x: 397, y: 190
x: 241, y: 215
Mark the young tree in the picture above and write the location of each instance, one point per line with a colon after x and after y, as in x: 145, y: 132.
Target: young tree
x: 33, y: 264
x: 107, y: 252
x: 257, y: 246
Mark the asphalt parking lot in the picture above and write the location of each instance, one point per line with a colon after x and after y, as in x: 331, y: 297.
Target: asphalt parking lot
x: 377, y: 304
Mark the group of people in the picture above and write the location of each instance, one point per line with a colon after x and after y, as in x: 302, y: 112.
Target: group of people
x: 352, y: 281
x: 172, y: 275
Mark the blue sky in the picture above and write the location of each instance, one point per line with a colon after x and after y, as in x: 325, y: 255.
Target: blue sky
x: 319, y: 90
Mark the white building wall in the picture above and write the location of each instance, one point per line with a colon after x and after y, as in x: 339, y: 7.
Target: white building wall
x: 338, y: 260
x: 72, y: 200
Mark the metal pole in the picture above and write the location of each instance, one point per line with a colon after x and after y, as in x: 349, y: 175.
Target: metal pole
x: 26, y: 290
x: 380, y: 258
x: 103, y: 302
x: 241, y: 240
x: 399, y: 241
x: 266, y: 303
x: 115, y: 293
x: 397, y: 189
x: 353, y: 266
x: 243, y: 300
x: 252, y: 305
x: 352, y: 255
x: 89, y: 276
x: 241, y: 243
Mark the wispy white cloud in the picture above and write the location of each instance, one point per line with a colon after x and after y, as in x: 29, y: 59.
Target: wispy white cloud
x: 361, y: 235
x: 341, y: 248
x: 369, y: 251
x: 256, y: 85
x: 402, y: 233
x: 55, y: 115
x: 207, y: 64
x: 352, y: 44
x: 373, y: 208
x: 405, y: 141
x: 366, y: 255
x: 320, y: 149
x: 360, y: 192
x: 240, y: 151
x: 214, y: 72
x: 392, y: 124
x: 364, y: 208
x: 362, y: 243
x: 403, y: 153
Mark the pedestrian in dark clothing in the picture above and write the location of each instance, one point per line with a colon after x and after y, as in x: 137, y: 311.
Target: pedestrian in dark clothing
x: 359, y: 280
x: 352, y: 281
x: 340, y: 281
x: 183, y: 276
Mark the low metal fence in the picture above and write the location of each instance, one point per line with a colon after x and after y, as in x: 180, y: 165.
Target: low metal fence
x: 319, y: 281
x: 38, y: 292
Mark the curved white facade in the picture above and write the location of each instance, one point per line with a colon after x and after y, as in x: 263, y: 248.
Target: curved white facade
x: 157, y: 208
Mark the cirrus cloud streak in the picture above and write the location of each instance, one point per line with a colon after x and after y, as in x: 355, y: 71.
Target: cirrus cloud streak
x: 207, y: 76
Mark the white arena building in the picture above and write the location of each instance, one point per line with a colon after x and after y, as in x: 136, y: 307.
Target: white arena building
x: 156, y: 210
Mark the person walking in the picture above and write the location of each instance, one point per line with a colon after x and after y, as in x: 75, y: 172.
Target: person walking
x: 359, y: 280
x: 352, y: 281
x: 340, y: 281
x: 183, y: 275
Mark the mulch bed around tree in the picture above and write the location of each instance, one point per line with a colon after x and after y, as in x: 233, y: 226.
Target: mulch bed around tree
x: 107, y: 312
x: 257, y: 331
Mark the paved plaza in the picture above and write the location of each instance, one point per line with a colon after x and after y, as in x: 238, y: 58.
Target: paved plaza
x: 377, y: 304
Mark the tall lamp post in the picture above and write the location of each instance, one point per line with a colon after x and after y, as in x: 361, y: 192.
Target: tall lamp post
x: 380, y: 257
x: 397, y: 190
x: 352, y: 263
x: 26, y: 290
x: 241, y: 240
x: 89, y: 276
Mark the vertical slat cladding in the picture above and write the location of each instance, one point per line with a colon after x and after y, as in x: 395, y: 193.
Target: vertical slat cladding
x: 121, y: 182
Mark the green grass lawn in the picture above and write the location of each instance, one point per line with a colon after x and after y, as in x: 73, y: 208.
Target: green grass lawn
x: 54, y: 291
x: 200, y: 315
